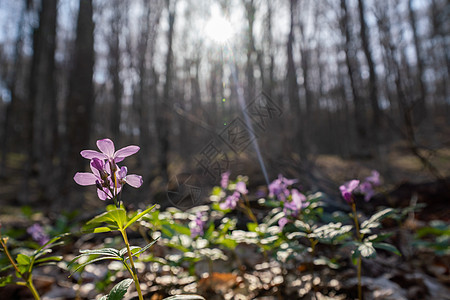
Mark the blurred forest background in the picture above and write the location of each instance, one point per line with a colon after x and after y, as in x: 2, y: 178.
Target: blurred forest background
x: 308, y: 87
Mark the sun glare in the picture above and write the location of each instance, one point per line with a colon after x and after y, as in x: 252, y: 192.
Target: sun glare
x: 219, y: 29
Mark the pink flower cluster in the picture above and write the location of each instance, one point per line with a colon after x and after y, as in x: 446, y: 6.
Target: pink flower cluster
x: 232, y: 200
x: 293, y: 201
x: 197, y: 225
x: 365, y: 188
x: 106, y: 175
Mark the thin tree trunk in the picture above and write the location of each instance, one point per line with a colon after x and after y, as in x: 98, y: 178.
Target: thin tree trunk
x: 373, y: 90
x: 80, y: 100
x: 420, y: 108
x: 350, y: 53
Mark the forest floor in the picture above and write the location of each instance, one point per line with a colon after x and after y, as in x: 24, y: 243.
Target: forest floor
x: 420, y: 273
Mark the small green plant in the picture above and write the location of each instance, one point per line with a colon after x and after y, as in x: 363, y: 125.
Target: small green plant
x: 365, y: 240
x: 109, y: 180
x: 24, y: 262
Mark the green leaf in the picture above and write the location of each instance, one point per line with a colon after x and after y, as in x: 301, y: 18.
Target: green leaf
x: 367, y: 250
x: 133, y: 249
x: 137, y: 217
x: 47, y: 259
x: 376, y: 238
x: 103, y: 251
x: 387, y: 247
x: 120, y: 289
x: 185, y: 297
x: 51, y: 243
x: 5, y: 280
x: 23, y: 263
x: 102, y: 229
x: 144, y: 249
x: 252, y: 227
x: 23, y: 259
x: 93, y: 261
x: 115, y: 219
x: 376, y: 218
x: 109, y: 252
x: 180, y: 229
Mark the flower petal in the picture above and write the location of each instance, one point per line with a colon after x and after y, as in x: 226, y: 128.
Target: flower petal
x: 107, y: 147
x: 85, y: 178
x: 241, y: 188
x: 95, y: 171
x: 101, y: 194
x: 90, y: 154
x: 134, y: 180
x: 353, y: 184
x: 125, y: 152
x: 122, y: 172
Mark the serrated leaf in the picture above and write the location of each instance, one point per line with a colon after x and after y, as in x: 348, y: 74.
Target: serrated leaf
x: 387, y: 247
x: 185, y: 297
x: 120, y: 289
x: 137, y: 217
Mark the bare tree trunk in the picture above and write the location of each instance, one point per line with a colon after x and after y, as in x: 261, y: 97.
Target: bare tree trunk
x: 163, y: 118
x: 271, y: 80
x: 80, y: 100
x: 420, y: 108
x: 250, y: 13
x: 373, y: 90
x: 350, y: 54
x: 43, y: 97
x: 294, y: 99
x: 11, y: 82
x: 115, y: 66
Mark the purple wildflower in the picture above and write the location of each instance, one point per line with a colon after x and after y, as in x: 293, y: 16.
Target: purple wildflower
x: 225, y: 179
x: 230, y: 202
x: 297, y: 202
x: 367, y: 190
x: 347, y: 189
x: 37, y: 233
x: 99, y: 177
x: 374, y: 178
x: 106, y: 175
x: 279, y: 187
x: 132, y: 179
x: 197, y: 225
x: 106, y: 146
x: 241, y: 188
x: 282, y: 222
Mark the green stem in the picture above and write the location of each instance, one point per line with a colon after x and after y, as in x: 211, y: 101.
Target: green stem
x: 29, y: 281
x: 32, y: 288
x: 358, y: 235
x: 249, y: 210
x: 133, y: 269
